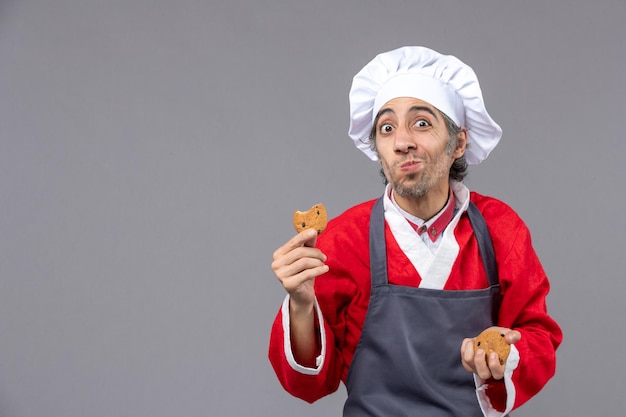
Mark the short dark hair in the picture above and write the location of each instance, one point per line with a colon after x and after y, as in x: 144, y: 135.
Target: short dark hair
x: 458, y: 170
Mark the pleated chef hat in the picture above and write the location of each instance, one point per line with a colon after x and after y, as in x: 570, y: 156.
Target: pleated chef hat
x: 418, y: 72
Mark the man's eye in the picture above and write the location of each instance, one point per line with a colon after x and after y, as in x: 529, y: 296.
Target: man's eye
x: 386, y: 128
x: 422, y: 123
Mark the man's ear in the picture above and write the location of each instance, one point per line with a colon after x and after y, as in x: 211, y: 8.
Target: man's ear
x: 461, y: 143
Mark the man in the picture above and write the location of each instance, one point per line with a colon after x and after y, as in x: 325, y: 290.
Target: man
x: 389, y: 298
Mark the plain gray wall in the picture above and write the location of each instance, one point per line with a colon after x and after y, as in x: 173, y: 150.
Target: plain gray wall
x: 152, y: 154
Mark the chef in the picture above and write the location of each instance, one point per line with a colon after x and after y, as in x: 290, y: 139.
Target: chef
x: 389, y: 298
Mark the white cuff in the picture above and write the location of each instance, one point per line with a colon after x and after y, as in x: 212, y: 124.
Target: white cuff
x: 319, y: 361
x: 481, y: 388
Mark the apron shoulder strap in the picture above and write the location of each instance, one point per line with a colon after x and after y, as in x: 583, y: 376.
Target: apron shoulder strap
x: 377, y: 246
x: 485, y: 244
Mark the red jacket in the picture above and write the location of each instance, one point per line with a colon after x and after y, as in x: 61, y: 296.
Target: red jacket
x: 343, y: 295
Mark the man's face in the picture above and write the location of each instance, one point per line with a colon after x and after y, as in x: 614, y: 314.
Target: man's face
x: 411, y: 140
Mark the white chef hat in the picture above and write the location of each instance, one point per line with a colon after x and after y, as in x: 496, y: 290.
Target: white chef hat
x: 441, y: 80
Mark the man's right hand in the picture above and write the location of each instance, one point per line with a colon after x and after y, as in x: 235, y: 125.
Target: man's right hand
x: 296, y: 264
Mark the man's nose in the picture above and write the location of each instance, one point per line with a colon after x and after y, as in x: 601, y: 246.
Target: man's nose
x: 404, y: 141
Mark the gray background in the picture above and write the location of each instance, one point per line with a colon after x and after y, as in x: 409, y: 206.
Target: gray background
x: 152, y: 154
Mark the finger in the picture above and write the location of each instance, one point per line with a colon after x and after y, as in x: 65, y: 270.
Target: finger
x: 497, y: 369
x: 295, y: 282
x: 467, y: 349
x: 306, y: 236
x: 467, y: 354
x: 299, y: 266
x: 295, y: 255
x: 480, y: 364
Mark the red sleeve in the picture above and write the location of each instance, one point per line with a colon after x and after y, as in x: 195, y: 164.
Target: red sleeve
x: 523, y: 307
x: 309, y: 386
x: 343, y: 296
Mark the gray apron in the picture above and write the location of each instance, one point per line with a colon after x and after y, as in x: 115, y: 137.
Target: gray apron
x: 408, y: 360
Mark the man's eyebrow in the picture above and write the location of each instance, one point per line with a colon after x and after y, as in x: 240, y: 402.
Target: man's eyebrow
x: 384, y: 111
x: 424, y: 108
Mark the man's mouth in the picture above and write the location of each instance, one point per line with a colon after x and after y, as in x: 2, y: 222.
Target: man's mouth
x: 410, y: 165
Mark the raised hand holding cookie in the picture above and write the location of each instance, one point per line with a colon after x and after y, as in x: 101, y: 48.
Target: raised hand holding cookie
x: 298, y: 262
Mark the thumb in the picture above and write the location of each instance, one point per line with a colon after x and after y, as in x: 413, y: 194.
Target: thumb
x: 512, y: 336
x: 311, y: 237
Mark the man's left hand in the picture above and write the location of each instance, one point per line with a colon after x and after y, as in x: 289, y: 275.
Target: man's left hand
x: 478, y: 363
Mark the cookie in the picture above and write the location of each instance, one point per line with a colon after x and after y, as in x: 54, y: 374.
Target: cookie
x: 493, y: 341
x: 315, y: 218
